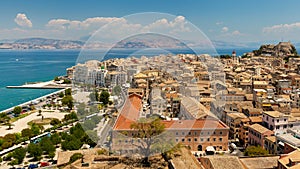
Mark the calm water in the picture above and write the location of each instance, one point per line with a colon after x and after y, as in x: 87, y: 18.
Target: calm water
x: 19, y: 67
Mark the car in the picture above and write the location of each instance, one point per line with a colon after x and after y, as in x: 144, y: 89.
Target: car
x: 44, y: 164
x: 32, y: 166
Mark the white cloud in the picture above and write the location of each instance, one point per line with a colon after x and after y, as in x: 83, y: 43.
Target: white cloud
x: 23, y: 21
x: 282, y: 28
x: 236, y: 32
x: 89, y: 23
x: 178, y: 24
x: 225, y: 29
x: 219, y: 23
x: 111, y: 28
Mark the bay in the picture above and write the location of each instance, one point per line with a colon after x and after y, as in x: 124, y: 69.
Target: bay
x: 20, y: 66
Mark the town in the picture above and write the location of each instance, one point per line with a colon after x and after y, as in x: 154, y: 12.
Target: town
x: 206, y: 112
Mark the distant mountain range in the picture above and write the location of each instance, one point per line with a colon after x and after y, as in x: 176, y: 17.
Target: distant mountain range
x: 41, y: 43
x: 151, y: 41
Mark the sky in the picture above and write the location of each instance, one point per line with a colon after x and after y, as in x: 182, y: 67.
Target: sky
x: 220, y: 20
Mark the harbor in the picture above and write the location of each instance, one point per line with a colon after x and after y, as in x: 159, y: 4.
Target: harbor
x: 41, y: 85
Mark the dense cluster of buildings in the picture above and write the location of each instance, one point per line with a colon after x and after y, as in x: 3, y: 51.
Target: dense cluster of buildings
x: 206, y: 103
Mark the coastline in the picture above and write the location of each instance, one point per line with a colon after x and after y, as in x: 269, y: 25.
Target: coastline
x: 33, y: 100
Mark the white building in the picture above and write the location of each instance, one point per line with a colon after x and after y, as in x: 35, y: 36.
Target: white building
x: 89, y: 74
x: 279, y: 122
x: 157, y: 102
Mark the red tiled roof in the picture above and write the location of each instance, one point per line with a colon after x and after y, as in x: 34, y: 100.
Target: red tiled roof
x: 129, y: 113
x: 194, y: 124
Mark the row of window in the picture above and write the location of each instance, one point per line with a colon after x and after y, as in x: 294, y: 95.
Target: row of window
x: 196, y: 133
x: 196, y: 139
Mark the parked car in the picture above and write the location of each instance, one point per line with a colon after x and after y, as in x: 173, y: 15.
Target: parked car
x: 32, y: 166
x: 44, y: 164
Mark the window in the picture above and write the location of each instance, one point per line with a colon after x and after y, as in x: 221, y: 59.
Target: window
x: 220, y: 139
x: 214, y: 139
x: 182, y: 140
x: 176, y: 133
x: 190, y: 133
x: 284, y: 119
x: 284, y: 126
x: 177, y: 140
x: 221, y: 132
x: 208, y: 133
x: 195, y: 133
x: 182, y: 133
x: 189, y: 140
x: 195, y: 139
x: 202, y: 140
x: 207, y: 139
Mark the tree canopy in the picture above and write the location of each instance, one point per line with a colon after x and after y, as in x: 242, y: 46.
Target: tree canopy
x: 253, y: 151
x: 17, y: 110
x: 104, y: 97
x: 68, y: 101
x: 147, y: 130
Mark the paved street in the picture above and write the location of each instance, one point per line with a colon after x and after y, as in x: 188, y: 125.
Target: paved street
x: 21, y: 124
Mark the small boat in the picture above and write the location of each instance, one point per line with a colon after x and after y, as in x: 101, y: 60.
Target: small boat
x: 17, y: 60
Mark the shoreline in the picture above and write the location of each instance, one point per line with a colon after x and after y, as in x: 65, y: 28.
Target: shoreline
x: 33, y: 100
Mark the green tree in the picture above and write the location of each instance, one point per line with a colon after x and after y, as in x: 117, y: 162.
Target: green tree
x: 9, y: 125
x: 94, y: 109
x: 13, y: 162
x: 10, y: 138
x: 55, y: 139
x: 27, y: 133
x: 17, y: 110
x: 71, y: 116
x: 40, y: 113
x: 46, y: 145
x: 75, y: 157
x: 253, y: 151
x: 51, y: 155
x: 55, y: 122
x: 81, y: 109
x: 74, y: 144
x: 104, y: 97
x: 19, y: 155
x: 4, y: 118
x: 68, y: 101
x: 35, y: 151
x: 6, y: 144
x: 93, y: 96
x: 67, y: 81
x: 56, y: 79
x: 89, y: 125
x: 147, y: 130
x: 35, y: 129
x: 68, y: 92
x: 61, y: 94
x: 116, y: 90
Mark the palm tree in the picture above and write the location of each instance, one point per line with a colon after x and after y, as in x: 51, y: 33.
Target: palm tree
x: 9, y: 125
x: 40, y: 113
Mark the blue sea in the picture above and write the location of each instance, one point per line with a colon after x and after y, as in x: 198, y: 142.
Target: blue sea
x: 19, y: 67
